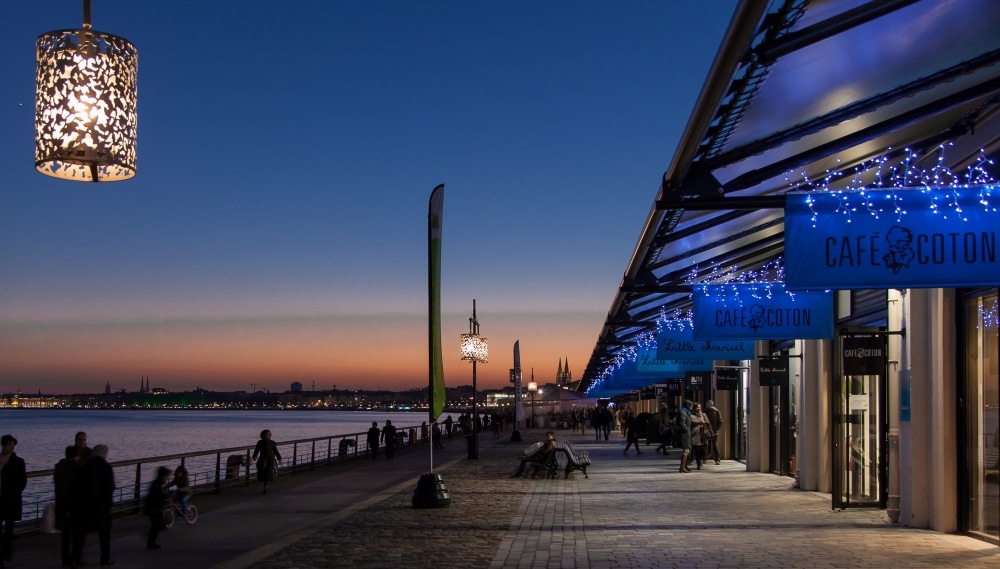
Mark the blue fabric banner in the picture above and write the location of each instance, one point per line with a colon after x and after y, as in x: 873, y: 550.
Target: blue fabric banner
x: 680, y: 344
x: 647, y: 362
x: 939, y: 238
x: 761, y: 312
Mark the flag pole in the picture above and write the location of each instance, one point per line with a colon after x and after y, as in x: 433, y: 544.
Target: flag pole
x: 430, y: 491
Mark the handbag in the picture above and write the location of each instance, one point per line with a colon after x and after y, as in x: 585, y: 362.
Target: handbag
x: 48, y: 522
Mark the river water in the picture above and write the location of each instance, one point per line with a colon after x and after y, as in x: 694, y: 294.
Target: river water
x: 43, y: 434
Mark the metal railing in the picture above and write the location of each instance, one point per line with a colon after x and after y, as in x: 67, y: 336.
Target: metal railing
x: 210, y: 471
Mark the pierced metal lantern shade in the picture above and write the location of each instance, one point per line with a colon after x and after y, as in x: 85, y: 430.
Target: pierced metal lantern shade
x: 85, y: 101
x: 474, y: 348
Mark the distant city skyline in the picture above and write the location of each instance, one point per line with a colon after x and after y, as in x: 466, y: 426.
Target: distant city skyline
x: 276, y: 227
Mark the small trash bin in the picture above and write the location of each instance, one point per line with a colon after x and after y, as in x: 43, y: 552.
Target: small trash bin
x: 345, y: 446
x: 413, y: 437
x: 233, y: 464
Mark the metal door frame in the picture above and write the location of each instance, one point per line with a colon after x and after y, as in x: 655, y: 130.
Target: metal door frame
x: 838, y: 465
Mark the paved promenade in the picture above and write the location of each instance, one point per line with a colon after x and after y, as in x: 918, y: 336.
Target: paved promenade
x: 632, y: 512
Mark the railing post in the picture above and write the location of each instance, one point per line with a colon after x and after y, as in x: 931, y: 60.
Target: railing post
x: 329, y: 450
x: 295, y: 456
x: 312, y: 463
x: 218, y: 472
x: 248, y: 466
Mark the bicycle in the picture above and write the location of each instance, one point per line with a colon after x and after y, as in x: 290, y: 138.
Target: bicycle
x: 175, y: 510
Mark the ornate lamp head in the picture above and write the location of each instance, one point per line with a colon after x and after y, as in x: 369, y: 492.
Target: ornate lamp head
x: 85, y: 104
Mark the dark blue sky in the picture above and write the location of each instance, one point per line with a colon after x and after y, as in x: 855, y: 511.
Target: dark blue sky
x: 276, y: 228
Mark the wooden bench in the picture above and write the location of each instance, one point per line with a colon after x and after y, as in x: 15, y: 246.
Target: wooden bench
x: 574, y: 460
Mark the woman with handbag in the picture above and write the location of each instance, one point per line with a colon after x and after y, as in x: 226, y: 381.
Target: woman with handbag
x: 701, y: 434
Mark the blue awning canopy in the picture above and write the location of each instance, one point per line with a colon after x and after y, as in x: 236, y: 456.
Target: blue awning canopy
x: 800, y: 89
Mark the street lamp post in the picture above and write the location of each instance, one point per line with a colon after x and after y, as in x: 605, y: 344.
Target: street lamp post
x: 475, y: 350
x: 532, y: 388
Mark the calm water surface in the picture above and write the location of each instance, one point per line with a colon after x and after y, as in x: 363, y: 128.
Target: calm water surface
x: 42, y: 435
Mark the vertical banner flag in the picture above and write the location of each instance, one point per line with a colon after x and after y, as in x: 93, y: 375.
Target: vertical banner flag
x: 941, y: 238
x: 518, y: 404
x: 437, y: 392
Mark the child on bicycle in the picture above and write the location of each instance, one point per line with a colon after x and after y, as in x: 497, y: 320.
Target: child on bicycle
x: 183, y: 488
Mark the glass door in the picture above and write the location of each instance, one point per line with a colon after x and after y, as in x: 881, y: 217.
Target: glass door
x: 982, y: 416
x: 860, y: 457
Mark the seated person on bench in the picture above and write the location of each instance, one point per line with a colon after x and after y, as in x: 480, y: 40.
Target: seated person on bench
x: 540, y: 456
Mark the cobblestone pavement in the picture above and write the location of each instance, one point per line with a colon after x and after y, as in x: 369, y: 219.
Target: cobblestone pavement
x: 632, y: 512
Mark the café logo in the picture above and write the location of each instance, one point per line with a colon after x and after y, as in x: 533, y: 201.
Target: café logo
x: 901, y: 248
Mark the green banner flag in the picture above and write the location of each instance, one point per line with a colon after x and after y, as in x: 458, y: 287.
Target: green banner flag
x: 437, y: 392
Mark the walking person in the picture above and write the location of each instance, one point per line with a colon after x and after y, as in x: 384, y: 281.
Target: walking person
x: 607, y: 421
x: 373, y: 435
x: 62, y: 478
x: 436, y: 434
x: 389, y: 438
x: 269, y: 457
x: 632, y: 434
x: 448, y: 425
x: 156, y: 502
x: 682, y: 435
x: 664, y: 429
x: 93, y: 495
x: 701, y: 433
x: 715, y: 421
x: 595, y: 421
x: 13, y: 479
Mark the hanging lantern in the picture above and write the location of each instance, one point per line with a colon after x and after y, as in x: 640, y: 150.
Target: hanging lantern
x: 85, y: 101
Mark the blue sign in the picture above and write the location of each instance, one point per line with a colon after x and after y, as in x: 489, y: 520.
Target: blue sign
x: 647, y: 362
x: 835, y: 241
x: 680, y: 344
x: 761, y: 312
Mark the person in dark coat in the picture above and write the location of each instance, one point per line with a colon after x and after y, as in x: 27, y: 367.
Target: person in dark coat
x: 682, y: 438
x: 93, y: 494
x: 62, y: 477
x: 715, y: 421
x: 156, y: 502
x: 436, y: 434
x: 664, y: 429
x: 267, y: 464
x: 448, y: 424
x: 13, y: 479
x: 389, y: 438
x: 373, y: 436
x: 632, y: 434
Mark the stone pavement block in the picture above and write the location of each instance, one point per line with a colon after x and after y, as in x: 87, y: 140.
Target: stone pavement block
x: 631, y: 512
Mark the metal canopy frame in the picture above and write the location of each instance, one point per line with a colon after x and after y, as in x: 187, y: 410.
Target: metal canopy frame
x: 768, y: 107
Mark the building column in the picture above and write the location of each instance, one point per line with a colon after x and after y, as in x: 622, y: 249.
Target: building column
x: 898, y: 401
x: 814, y: 418
x: 928, y: 476
x: 758, y: 435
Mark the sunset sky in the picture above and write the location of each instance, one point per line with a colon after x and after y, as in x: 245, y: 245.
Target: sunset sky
x: 276, y: 228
